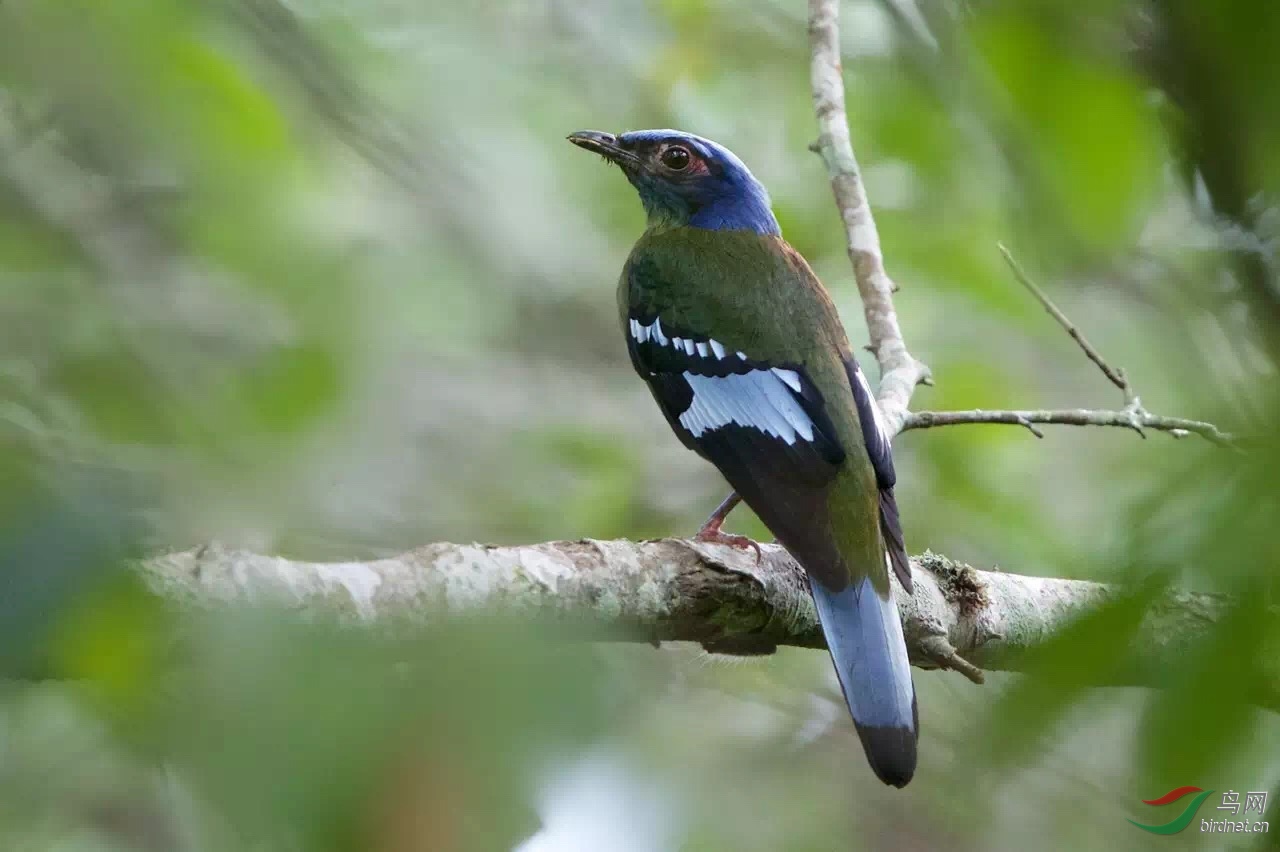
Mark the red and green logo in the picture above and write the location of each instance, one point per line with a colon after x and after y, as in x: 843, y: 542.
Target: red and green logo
x: 1183, y: 819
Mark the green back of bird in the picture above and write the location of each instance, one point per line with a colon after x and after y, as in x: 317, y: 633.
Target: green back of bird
x: 757, y: 295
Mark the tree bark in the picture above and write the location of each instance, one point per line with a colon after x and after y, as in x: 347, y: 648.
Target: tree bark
x: 678, y: 590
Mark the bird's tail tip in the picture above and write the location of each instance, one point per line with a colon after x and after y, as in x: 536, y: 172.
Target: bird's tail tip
x: 890, y: 750
x: 864, y: 635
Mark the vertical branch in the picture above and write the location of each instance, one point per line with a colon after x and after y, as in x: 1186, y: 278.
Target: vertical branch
x: 899, y: 371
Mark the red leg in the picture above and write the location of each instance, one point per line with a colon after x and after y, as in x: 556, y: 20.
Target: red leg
x: 711, y: 532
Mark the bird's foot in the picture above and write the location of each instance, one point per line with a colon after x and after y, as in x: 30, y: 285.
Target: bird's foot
x: 712, y: 534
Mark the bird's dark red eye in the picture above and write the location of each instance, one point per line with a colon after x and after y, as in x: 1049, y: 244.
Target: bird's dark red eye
x: 676, y: 158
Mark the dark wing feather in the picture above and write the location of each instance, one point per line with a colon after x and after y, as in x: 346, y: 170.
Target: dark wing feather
x: 764, y: 426
x: 795, y: 510
x: 878, y: 446
x: 891, y: 530
x: 881, y: 452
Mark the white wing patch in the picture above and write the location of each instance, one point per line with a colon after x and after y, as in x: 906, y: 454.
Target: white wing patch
x: 759, y: 399
x: 875, y: 407
x: 791, y: 377
x: 656, y: 334
x: 653, y: 333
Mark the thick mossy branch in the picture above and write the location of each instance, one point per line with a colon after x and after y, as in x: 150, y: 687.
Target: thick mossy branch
x: 674, y: 590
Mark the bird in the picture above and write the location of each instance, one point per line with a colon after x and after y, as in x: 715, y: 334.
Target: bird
x: 745, y: 354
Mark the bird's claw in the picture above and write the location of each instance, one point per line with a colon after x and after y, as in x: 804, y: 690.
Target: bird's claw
x: 715, y: 536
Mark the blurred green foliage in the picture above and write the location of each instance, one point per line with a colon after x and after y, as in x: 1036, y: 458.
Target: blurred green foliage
x: 323, y: 279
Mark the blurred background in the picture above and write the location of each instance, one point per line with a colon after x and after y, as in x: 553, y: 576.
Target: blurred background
x: 323, y: 279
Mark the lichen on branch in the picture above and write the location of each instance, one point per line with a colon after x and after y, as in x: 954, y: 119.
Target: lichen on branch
x: 675, y: 590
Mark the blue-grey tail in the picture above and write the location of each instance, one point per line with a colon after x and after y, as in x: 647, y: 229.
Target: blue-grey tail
x: 864, y: 634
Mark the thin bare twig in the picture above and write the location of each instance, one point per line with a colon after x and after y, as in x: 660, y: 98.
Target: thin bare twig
x: 1133, y: 416
x: 1115, y: 376
x: 1178, y: 427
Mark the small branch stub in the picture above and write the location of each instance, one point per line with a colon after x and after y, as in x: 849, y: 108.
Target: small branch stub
x: 941, y: 652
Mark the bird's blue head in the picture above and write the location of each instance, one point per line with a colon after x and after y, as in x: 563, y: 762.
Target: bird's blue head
x: 686, y: 180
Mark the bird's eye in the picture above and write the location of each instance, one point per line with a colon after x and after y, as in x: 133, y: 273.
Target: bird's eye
x: 676, y: 158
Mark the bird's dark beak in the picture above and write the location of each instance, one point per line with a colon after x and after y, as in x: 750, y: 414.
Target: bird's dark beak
x: 606, y: 145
